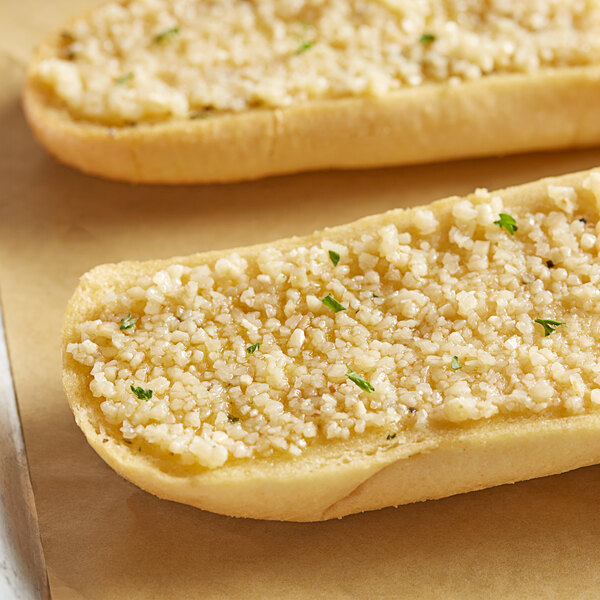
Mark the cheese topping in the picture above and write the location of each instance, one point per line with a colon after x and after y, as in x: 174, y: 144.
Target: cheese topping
x: 151, y: 60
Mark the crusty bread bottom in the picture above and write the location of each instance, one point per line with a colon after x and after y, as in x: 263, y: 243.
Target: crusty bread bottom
x: 322, y: 490
x: 497, y: 115
x: 333, y: 479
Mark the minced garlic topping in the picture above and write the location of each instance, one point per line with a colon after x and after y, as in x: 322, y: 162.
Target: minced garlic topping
x: 161, y: 59
x: 243, y: 357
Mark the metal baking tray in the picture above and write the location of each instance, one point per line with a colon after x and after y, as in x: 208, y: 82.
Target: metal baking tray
x: 23, y: 573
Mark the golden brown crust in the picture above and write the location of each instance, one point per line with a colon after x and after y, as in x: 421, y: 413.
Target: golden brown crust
x: 496, y: 115
x: 335, y: 479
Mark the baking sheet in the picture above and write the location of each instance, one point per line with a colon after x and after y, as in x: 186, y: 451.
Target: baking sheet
x: 104, y: 538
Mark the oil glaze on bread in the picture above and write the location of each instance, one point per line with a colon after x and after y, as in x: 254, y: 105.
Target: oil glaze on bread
x: 406, y: 356
x: 183, y: 91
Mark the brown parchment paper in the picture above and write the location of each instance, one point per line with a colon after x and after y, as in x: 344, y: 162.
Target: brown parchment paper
x: 106, y: 539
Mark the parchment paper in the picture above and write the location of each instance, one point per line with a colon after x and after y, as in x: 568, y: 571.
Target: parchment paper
x: 106, y: 539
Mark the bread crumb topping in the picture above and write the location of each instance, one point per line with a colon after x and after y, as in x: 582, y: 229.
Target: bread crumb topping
x: 244, y: 359
x: 152, y: 60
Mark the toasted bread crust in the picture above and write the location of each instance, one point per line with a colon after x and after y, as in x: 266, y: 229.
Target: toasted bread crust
x: 495, y: 116
x: 334, y: 479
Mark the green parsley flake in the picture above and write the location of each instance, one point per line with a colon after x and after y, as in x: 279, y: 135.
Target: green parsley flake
x: 427, y: 38
x: 252, y: 349
x: 332, y: 303
x: 128, y: 322
x: 335, y: 258
x: 507, y: 222
x: 141, y: 393
x: 166, y: 35
x: 455, y: 364
x: 391, y: 436
x: 232, y: 419
x: 123, y: 80
x: 359, y: 380
x: 549, y: 325
x: 304, y: 46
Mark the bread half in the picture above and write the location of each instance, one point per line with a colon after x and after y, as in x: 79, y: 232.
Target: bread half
x: 403, y: 357
x: 202, y: 91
